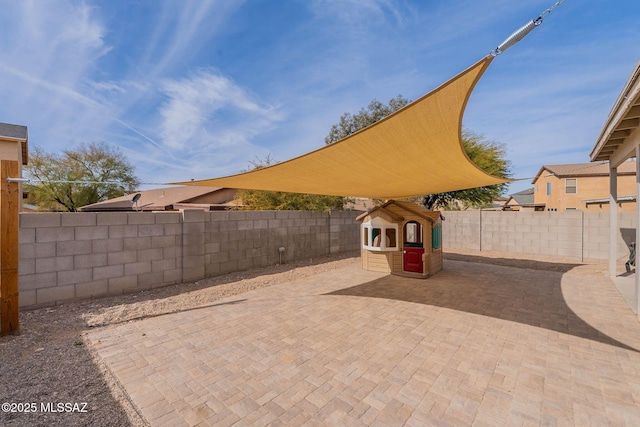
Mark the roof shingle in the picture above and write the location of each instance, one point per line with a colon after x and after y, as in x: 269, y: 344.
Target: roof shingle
x: 13, y: 131
x: 587, y: 169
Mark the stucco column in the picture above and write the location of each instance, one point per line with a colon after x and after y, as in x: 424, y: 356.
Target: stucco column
x: 613, y: 220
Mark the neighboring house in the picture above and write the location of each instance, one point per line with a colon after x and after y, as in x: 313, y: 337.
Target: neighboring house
x: 27, y: 207
x: 522, y: 200
x: 14, y: 145
x: 498, y: 202
x: 169, y: 199
x: 583, y: 186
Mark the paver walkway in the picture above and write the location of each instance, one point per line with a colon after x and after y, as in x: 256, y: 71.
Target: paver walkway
x: 476, y: 344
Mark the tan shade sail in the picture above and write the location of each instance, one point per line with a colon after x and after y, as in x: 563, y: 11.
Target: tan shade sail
x: 415, y: 151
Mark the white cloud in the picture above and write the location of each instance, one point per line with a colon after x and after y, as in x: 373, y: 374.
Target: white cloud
x: 359, y: 12
x: 51, y: 70
x: 182, y: 29
x: 56, y: 40
x: 112, y: 87
x: 48, y: 50
x: 208, y: 109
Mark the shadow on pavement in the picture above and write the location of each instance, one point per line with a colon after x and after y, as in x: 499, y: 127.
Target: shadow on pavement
x: 514, y: 262
x: 520, y: 295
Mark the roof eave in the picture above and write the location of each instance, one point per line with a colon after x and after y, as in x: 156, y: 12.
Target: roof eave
x: 627, y: 99
x: 543, y: 168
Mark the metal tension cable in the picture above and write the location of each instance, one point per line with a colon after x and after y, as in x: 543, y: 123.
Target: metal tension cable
x: 62, y: 181
x: 520, y: 33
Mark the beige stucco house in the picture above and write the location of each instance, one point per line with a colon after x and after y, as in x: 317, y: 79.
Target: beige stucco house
x: 583, y: 186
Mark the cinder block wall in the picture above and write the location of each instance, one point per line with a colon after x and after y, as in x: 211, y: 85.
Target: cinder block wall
x: 70, y: 256
x: 582, y: 236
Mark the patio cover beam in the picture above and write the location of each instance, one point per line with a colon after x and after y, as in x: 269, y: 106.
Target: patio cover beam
x: 616, y: 146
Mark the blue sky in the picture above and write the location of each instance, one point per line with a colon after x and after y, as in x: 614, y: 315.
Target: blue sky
x: 198, y: 89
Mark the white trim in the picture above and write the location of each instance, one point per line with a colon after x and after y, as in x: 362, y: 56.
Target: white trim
x: 367, y: 235
x: 620, y: 109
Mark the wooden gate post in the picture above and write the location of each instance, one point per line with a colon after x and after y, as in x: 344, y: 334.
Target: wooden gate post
x: 9, y: 226
x: 13, y: 154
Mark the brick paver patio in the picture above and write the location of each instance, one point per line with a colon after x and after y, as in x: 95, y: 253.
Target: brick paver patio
x: 476, y: 344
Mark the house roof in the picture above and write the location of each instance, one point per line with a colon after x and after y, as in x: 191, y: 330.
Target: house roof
x: 415, y: 151
x: 623, y: 120
x: 407, y: 206
x: 18, y: 133
x: 159, y: 199
x: 524, y: 197
x: 9, y: 131
x: 586, y: 169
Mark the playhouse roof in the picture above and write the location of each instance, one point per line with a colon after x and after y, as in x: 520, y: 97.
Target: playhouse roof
x: 414, y: 151
x: 406, y: 206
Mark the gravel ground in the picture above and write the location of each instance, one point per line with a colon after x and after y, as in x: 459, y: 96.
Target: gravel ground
x: 48, y: 363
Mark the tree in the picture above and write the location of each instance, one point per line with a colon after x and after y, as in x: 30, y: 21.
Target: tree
x: 278, y: 200
x: 89, y: 174
x: 351, y: 123
x: 487, y: 155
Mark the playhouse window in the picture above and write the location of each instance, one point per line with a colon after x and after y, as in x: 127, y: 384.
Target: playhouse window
x: 380, y: 236
x: 413, y: 234
x: 436, y: 237
x: 391, y: 237
x: 375, y: 235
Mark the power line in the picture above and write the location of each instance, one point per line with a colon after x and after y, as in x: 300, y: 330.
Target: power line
x: 62, y: 181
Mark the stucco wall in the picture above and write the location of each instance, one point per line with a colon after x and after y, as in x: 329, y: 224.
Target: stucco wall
x: 67, y: 256
x: 588, y: 187
x: 582, y: 236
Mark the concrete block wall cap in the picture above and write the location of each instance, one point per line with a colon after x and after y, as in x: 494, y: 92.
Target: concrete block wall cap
x: 78, y: 219
x: 39, y: 220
